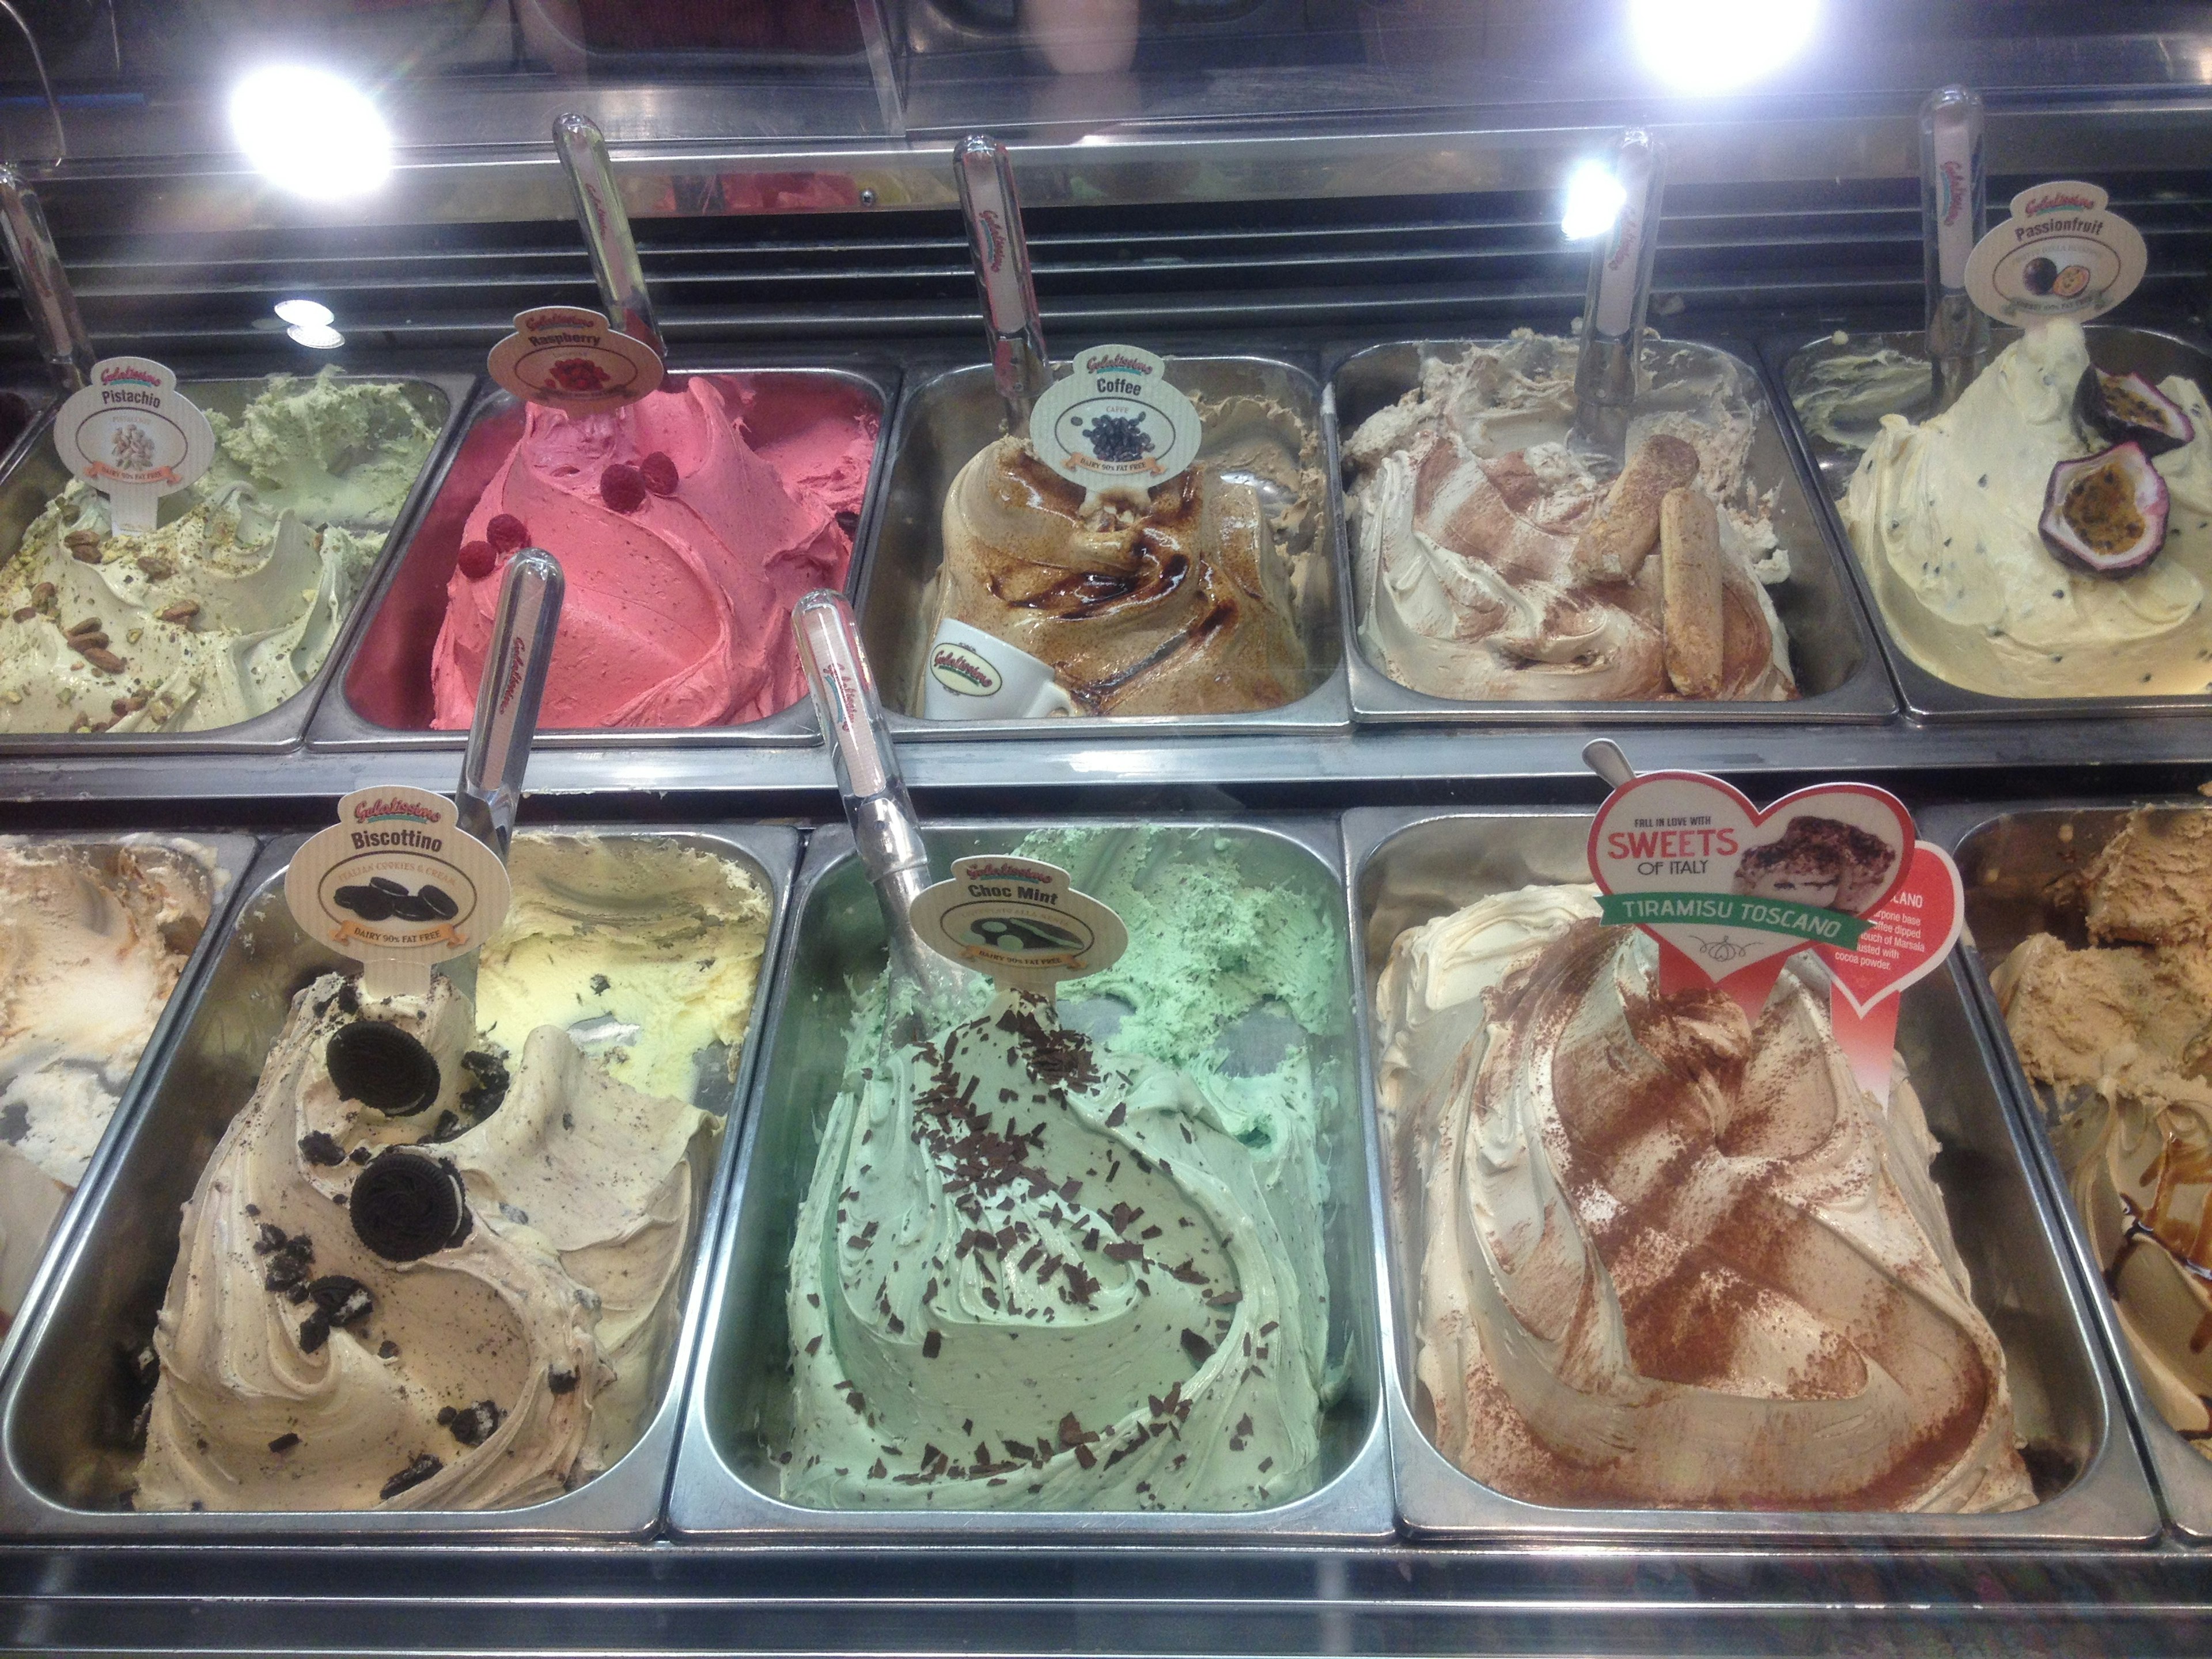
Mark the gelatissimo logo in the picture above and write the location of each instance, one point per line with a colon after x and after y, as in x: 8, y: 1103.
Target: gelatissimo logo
x: 2060, y: 201
x: 562, y: 327
x: 1011, y: 870
x: 959, y: 670
x: 518, y: 660
x: 994, y: 240
x: 382, y: 807
x: 1955, y: 195
x: 1623, y: 243
x: 129, y: 374
x: 1112, y: 362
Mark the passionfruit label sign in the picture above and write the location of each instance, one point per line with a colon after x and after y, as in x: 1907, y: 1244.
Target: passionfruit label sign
x: 568, y: 358
x: 1020, y: 922
x: 1115, y: 422
x: 2062, y: 252
x: 398, y: 884
x: 133, y: 435
x: 1729, y: 890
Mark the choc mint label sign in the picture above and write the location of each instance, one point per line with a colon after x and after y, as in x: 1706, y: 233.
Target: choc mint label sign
x: 398, y: 884
x: 1018, y: 922
x: 1115, y: 425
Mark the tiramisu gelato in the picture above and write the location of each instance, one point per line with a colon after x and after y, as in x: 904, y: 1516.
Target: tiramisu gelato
x: 1669, y: 1257
x: 93, y: 939
x: 2118, y: 1034
x: 437, y: 1265
x: 1493, y: 562
x: 1181, y: 600
x: 229, y: 606
x: 1993, y: 580
x: 686, y: 525
x: 1038, y: 1269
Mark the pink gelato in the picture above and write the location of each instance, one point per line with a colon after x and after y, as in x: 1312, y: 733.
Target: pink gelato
x: 687, y: 524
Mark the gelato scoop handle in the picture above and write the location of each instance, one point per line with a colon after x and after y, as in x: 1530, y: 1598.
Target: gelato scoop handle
x: 1619, y: 293
x: 885, y: 832
x: 1953, y: 191
x: 583, y: 152
x: 507, y: 697
x: 1001, y: 253
x: 44, y: 284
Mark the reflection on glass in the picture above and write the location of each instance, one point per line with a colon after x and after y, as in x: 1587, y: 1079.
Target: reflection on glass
x: 1594, y: 198
x: 1714, y: 45
x: 311, y: 132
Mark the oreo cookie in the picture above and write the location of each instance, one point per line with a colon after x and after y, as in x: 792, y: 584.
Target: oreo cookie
x: 407, y: 1204
x: 376, y: 1063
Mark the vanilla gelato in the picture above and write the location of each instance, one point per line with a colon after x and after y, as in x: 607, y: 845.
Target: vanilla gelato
x: 1669, y: 1257
x: 1946, y: 515
x: 92, y: 942
x: 2118, y: 1034
x: 1470, y: 514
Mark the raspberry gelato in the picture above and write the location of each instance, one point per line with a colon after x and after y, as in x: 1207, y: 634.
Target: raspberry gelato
x: 686, y: 525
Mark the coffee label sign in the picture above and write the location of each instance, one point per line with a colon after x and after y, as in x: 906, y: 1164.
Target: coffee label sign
x: 1019, y: 922
x: 133, y: 435
x: 398, y: 884
x: 568, y: 358
x: 2062, y: 252
x: 1115, y: 424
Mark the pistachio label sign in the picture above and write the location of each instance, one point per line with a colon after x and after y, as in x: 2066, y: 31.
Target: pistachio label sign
x: 1729, y: 890
x: 567, y: 358
x: 1019, y: 922
x: 133, y: 435
x: 1115, y: 422
x: 396, y: 884
x: 2062, y: 252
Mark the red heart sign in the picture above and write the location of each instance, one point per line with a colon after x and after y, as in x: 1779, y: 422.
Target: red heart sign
x: 1912, y: 931
x: 1730, y: 890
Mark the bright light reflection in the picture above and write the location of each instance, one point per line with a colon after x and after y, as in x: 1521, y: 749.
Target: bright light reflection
x: 1715, y: 46
x: 316, y: 335
x: 1595, y: 200
x: 307, y: 313
x: 310, y: 132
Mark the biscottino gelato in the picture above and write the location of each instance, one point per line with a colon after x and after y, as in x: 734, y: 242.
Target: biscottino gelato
x: 92, y: 940
x: 1946, y: 518
x: 1670, y: 1257
x: 1492, y: 563
x: 2119, y: 1033
x: 1184, y: 599
x: 227, y: 609
x: 1037, y: 1269
x: 437, y: 1261
x: 686, y: 524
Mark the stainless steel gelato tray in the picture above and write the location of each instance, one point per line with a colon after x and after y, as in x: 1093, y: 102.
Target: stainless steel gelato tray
x: 34, y: 476
x: 947, y: 420
x: 1831, y: 651
x: 67, y: 1407
x: 1409, y: 865
x: 383, y: 697
x: 1843, y: 420
x: 729, y: 1481
x: 2018, y: 866
x: 228, y: 858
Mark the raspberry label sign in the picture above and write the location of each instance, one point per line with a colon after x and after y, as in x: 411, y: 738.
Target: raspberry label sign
x: 1115, y: 425
x: 1019, y: 922
x: 2062, y: 253
x: 133, y: 435
x: 568, y: 358
x: 1728, y: 889
x: 396, y: 884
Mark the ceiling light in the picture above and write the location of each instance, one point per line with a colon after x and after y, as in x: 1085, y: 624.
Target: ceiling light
x: 311, y: 132
x: 320, y: 336
x: 307, y: 313
x: 1594, y: 198
x: 1716, y: 46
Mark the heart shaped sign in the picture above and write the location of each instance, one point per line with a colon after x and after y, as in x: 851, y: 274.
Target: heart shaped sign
x: 1908, y: 936
x: 1730, y: 890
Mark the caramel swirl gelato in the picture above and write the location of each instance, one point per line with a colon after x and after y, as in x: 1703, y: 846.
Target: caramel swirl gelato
x: 2119, y: 1035
x: 1670, y: 1257
x: 1179, y: 600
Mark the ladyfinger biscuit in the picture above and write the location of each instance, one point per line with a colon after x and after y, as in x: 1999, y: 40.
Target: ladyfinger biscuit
x: 1625, y: 527
x: 1690, y: 591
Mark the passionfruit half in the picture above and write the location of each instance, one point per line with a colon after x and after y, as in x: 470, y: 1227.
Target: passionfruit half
x: 2105, y: 513
x: 2119, y: 409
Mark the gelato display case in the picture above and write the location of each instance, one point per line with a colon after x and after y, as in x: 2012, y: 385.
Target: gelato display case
x: 1385, y: 1253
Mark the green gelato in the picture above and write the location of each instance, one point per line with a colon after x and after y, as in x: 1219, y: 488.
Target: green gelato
x: 1038, y: 1269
